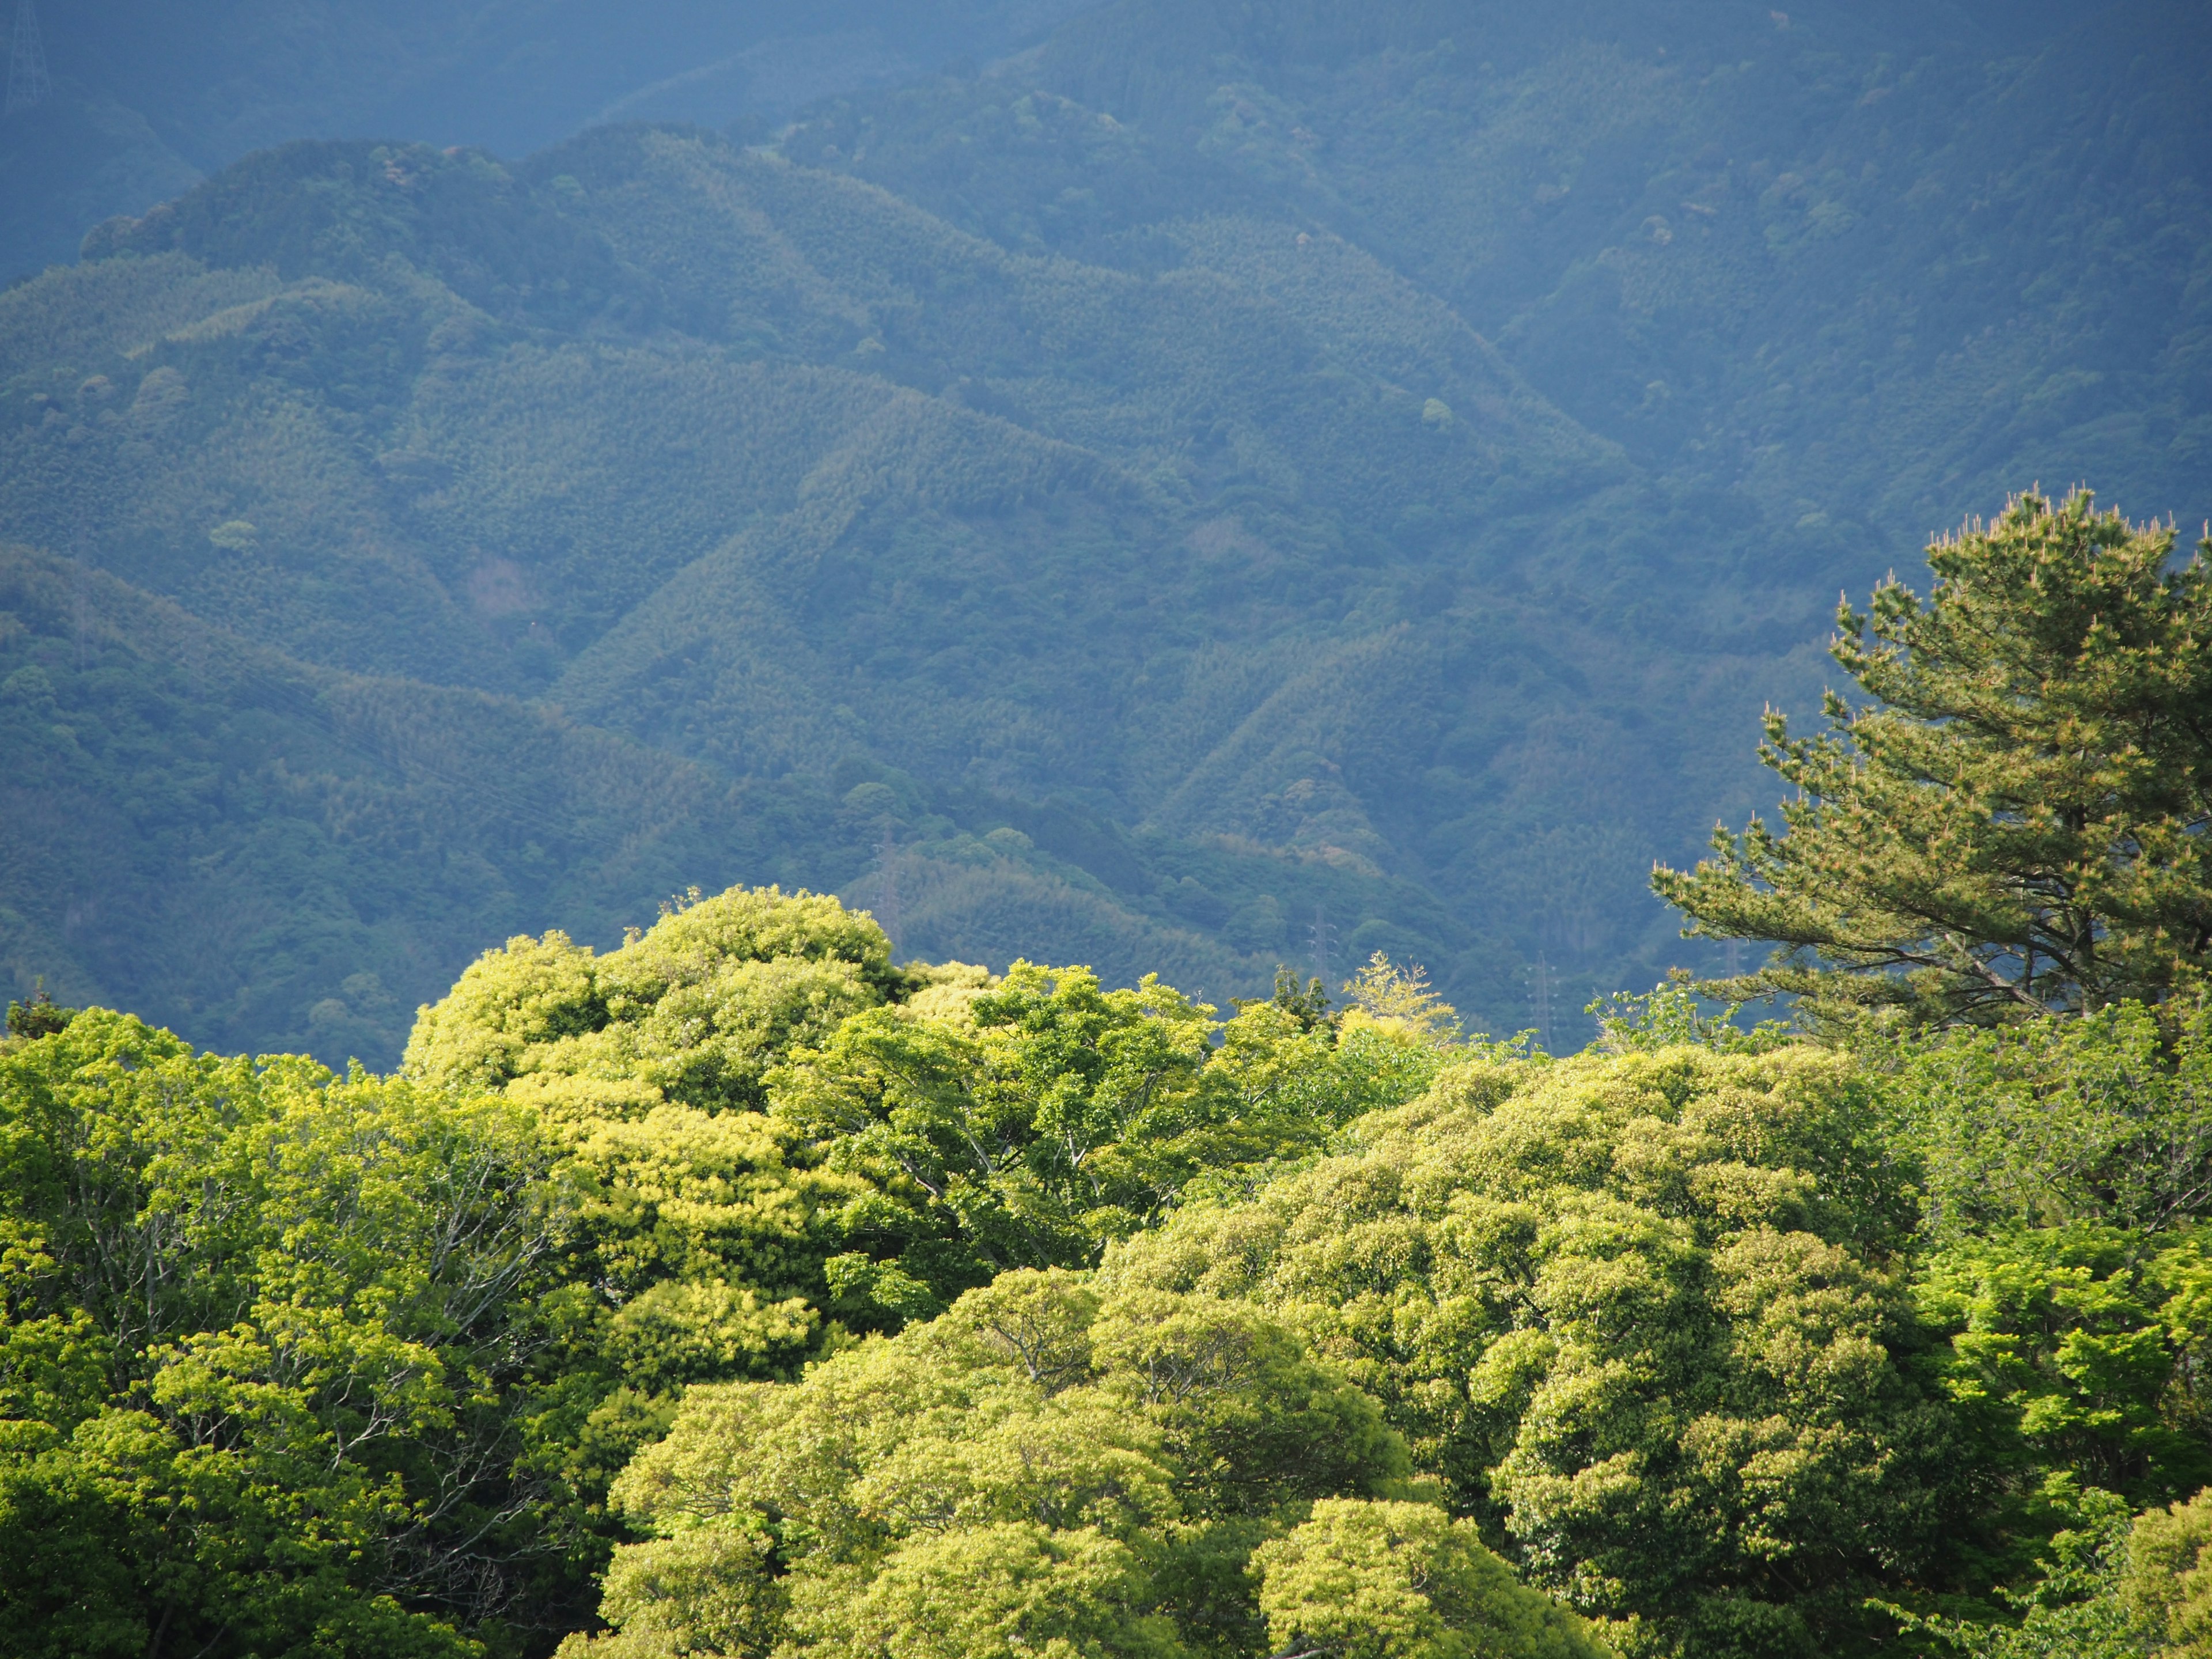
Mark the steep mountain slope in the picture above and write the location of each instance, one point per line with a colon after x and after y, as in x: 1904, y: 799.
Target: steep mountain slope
x: 1862, y: 266
x: 1235, y: 484
x: 147, y: 96
x: 271, y: 850
x: 395, y: 410
x: 280, y: 856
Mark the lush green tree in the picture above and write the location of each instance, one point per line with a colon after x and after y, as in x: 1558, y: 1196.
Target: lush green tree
x: 1007, y: 1586
x: 772, y: 1137
x: 2167, y: 1579
x: 2064, y: 1167
x: 1672, y: 1013
x: 1403, y: 998
x: 1393, y: 1580
x: 2012, y: 824
x: 275, y: 1353
x: 700, y: 1224
x: 1045, y: 1467
x: 2105, y: 1119
x: 2082, y: 1350
x: 777, y: 1127
x: 1030, y: 1123
x: 1643, y: 1315
x: 2077, y: 1608
x: 693, y: 1010
x: 912, y: 1311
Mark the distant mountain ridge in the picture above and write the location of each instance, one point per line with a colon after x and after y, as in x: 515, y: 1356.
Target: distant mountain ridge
x: 148, y: 97
x: 1185, y: 497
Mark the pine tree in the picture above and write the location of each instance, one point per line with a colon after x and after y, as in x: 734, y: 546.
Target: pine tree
x: 2014, y: 824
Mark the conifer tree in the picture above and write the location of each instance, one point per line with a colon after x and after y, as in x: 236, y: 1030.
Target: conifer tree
x: 2013, y: 822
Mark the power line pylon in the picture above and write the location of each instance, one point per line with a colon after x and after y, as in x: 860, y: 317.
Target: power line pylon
x: 28, y: 83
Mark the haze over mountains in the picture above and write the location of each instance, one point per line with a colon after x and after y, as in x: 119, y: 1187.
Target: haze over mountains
x: 150, y: 96
x: 1221, y: 481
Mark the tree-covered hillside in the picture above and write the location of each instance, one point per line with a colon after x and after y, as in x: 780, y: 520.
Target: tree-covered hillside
x: 147, y: 96
x: 1853, y: 265
x: 1228, y: 486
x: 742, y: 1292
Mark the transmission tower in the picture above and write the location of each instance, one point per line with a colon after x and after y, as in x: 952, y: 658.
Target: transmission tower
x: 1543, y: 1002
x: 1323, y: 936
x: 28, y: 83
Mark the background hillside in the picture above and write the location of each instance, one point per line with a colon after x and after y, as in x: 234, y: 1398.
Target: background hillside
x: 150, y: 96
x: 1222, y: 481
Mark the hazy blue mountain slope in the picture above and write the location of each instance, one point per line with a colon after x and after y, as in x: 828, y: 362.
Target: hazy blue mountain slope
x: 648, y: 426
x: 911, y: 603
x: 269, y: 851
x: 441, y: 389
x: 68, y: 164
x: 1319, y: 478
x: 280, y: 856
x: 148, y: 95
x: 1856, y: 265
x: 1197, y: 370
x: 1366, y: 455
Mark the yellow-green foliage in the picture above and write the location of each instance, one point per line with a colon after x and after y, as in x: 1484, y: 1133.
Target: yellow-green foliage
x: 1640, y: 1312
x: 2081, y: 1347
x: 705, y: 1220
x: 443, y: 1310
x: 706, y: 1591
x: 1038, y: 1119
x: 1385, y: 1580
x: 1045, y: 1468
x: 2168, y: 1577
x: 268, y: 1335
x: 1652, y: 1330
x: 776, y: 1135
x: 693, y: 1010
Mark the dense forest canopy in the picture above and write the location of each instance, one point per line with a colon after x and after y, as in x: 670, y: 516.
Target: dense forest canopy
x: 1219, y: 486
x: 970, y: 616
x: 764, y: 1298
x: 741, y: 1292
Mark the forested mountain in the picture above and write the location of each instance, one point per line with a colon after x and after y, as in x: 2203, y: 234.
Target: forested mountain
x: 744, y: 1293
x: 1224, y: 480
x: 146, y: 97
x: 1185, y: 572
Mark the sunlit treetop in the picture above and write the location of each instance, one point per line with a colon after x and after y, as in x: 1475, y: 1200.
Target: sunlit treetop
x: 2011, y: 822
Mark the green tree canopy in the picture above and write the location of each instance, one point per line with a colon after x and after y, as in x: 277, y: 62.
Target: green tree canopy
x: 695, y: 1010
x: 285, y: 1352
x: 1642, y: 1314
x: 2106, y: 1119
x: 781, y: 1132
x: 2014, y: 824
x: 1055, y: 1469
x: 1381, y: 1580
x: 277, y: 1354
x: 1030, y: 1122
x: 2168, y: 1580
x: 2079, y: 1349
